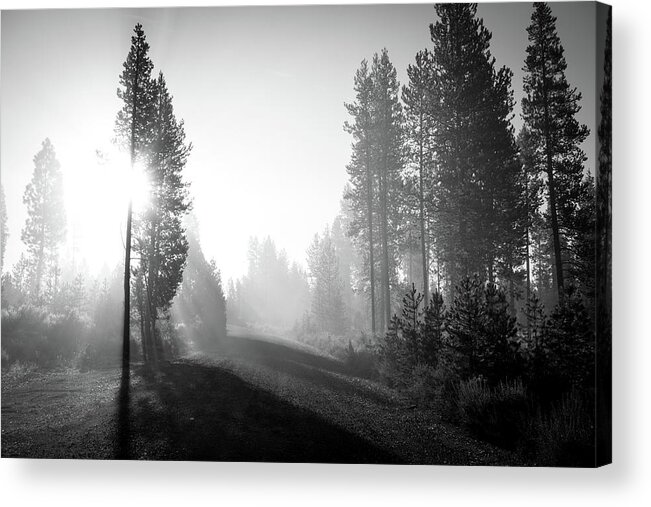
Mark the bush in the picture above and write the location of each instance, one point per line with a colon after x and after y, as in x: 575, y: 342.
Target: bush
x: 480, y: 331
x: 30, y: 335
x: 18, y: 371
x: 565, y: 435
x: 426, y: 384
x: 102, y: 352
x: 362, y: 361
x: 395, y: 361
x: 496, y: 414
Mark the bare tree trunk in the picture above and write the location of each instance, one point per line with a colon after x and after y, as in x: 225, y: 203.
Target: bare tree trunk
x: 421, y: 201
x: 385, y: 252
x: 369, y: 212
x: 558, y: 261
x: 123, y: 426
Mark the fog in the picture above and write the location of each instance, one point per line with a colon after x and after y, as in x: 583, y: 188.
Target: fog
x: 365, y: 221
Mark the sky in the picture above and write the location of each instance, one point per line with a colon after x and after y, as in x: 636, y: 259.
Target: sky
x: 261, y: 91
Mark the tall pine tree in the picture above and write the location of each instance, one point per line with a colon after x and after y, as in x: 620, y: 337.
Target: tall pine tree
x: 133, y: 132
x: 45, y: 226
x: 419, y: 133
x: 160, y: 240
x: 326, y: 284
x: 478, y: 187
x: 362, y: 190
x: 549, y: 109
x: 388, y: 159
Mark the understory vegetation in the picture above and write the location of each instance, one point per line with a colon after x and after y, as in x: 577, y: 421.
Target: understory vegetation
x: 526, y: 389
x: 79, y: 324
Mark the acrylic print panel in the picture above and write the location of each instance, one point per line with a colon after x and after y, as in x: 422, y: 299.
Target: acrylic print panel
x: 341, y: 234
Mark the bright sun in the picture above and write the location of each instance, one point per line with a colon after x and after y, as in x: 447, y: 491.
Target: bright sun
x: 97, y: 194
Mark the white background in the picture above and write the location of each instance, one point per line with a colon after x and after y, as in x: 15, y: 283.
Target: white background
x: 626, y: 482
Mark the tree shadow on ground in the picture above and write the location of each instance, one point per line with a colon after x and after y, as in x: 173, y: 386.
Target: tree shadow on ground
x: 319, y: 370
x: 189, y: 411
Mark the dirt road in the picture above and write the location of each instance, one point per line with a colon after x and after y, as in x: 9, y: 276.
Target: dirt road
x: 253, y: 398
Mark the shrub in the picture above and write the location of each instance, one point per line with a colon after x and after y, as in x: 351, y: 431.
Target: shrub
x: 395, y: 360
x: 30, y: 335
x: 362, y: 361
x: 18, y: 371
x: 564, y: 436
x: 426, y: 383
x: 480, y: 331
x: 497, y: 414
x: 23, y: 334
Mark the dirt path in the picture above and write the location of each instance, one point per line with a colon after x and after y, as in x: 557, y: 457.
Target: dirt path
x: 252, y: 399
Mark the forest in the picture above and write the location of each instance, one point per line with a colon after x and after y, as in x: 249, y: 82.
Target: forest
x: 467, y: 273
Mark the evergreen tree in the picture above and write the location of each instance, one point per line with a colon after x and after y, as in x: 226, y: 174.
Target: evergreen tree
x: 327, y: 288
x: 433, y: 329
x: 478, y: 186
x: 410, y: 324
x: 45, y: 226
x: 388, y: 159
x: 549, y: 109
x: 569, y: 342
x: 532, y: 198
x: 160, y: 240
x: 418, y: 140
x: 200, y: 303
x: 361, y: 170
x: 133, y: 131
x: 480, y: 331
x: 464, y: 327
x: 273, y: 292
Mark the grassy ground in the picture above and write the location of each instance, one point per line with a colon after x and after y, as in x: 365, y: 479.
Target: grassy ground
x: 252, y: 399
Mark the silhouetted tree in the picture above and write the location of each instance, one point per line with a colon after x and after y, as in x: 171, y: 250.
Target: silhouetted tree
x: 388, y: 158
x: 480, y: 331
x: 45, y: 226
x: 532, y: 198
x: 478, y: 188
x: 549, y: 109
x: 160, y: 240
x: 433, y: 329
x: 361, y: 170
x: 133, y: 131
x: 419, y: 133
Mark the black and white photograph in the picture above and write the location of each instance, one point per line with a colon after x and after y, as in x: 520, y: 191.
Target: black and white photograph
x: 344, y: 234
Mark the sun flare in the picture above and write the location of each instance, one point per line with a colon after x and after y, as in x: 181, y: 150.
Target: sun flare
x: 97, y: 195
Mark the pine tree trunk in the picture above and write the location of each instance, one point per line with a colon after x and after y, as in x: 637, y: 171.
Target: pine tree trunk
x: 369, y: 212
x: 41, y: 248
x: 558, y: 282
x: 558, y: 262
x: 126, y: 335
x: 385, y: 252
x: 39, y: 271
x: 421, y: 199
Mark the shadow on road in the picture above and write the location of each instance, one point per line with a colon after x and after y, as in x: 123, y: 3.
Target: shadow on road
x: 304, y: 365
x: 197, y: 412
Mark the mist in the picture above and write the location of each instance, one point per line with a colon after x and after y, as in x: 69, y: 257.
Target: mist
x: 366, y: 221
